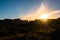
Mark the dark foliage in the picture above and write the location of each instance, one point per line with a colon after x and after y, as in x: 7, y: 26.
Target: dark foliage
x: 17, y: 29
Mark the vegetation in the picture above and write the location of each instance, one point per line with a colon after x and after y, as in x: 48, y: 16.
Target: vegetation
x: 18, y: 29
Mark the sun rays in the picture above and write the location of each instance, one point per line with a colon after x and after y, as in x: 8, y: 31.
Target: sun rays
x: 39, y: 13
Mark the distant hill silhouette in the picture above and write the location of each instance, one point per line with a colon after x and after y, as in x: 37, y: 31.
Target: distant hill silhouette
x: 17, y: 29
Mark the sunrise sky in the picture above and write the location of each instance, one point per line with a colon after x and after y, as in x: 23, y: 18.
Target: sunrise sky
x: 29, y: 9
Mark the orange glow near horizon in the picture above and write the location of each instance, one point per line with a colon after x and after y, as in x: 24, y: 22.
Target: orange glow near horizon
x: 44, y: 17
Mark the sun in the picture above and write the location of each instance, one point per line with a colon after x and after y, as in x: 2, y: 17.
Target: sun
x: 43, y: 16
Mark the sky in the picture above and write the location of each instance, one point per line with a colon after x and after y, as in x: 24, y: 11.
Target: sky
x: 29, y: 9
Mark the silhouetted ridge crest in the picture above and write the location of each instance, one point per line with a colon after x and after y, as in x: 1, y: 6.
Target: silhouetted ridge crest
x: 22, y: 29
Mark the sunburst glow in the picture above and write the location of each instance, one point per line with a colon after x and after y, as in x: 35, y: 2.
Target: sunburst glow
x: 44, y: 16
x: 42, y: 12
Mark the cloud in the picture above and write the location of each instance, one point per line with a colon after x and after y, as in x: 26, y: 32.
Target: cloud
x: 54, y: 14
x: 56, y: 11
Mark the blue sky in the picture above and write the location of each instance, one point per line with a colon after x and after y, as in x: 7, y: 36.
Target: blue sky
x: 17, y: 8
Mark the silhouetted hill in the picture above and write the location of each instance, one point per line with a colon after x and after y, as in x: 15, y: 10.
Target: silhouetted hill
x: 17, y: 29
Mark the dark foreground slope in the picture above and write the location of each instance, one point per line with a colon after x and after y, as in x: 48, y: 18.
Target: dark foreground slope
x: 34, y: 30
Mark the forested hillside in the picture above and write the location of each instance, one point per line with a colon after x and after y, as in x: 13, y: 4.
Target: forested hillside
x: 17, y: 29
